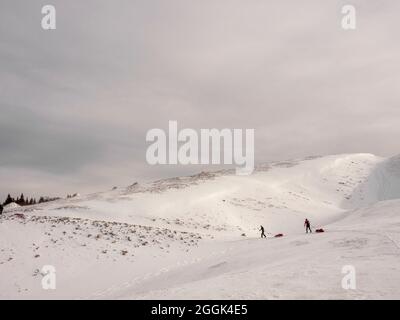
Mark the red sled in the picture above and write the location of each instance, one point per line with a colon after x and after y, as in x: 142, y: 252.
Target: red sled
x: 279, y: 235
x: 319, y: 230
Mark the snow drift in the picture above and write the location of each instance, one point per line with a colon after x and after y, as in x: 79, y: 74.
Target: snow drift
x: 11, y: 206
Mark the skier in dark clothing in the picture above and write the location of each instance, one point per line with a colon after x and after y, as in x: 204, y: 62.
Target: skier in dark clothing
x: 308, y: 226
x: 262, y: 232
x: 1, y: 209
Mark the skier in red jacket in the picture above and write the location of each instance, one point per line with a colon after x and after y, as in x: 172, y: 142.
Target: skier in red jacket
x: 307, y: 225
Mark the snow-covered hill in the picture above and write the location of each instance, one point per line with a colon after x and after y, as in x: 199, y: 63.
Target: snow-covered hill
x: 197, y: 236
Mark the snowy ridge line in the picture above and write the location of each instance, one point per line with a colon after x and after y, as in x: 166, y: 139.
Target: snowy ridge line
x: 177, y: 183
x: 162, y: 185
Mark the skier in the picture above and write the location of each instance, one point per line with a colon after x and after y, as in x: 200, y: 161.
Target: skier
x: 1, y: 209
x: 262, y: 232
x: 308, y: 226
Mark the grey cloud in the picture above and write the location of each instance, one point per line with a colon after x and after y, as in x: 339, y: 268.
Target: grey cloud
x: 28, y: 140
x: 76, y: 102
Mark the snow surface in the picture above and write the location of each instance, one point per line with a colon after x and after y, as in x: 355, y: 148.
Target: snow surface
x: 197, y: 237
x: 11, y: 206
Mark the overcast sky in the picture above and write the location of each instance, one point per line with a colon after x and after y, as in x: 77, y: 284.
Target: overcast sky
x: 76, y: 102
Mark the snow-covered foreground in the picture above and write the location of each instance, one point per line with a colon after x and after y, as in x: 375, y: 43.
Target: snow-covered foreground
x: 197, y: 237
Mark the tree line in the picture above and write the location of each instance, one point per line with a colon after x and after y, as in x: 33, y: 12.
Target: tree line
x: 26, y: 201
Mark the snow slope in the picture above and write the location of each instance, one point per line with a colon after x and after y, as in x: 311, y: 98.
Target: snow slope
x: 197, y: 237
x: 11, y: 206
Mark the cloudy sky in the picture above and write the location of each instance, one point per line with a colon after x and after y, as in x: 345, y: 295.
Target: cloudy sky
x: 76, y: 102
